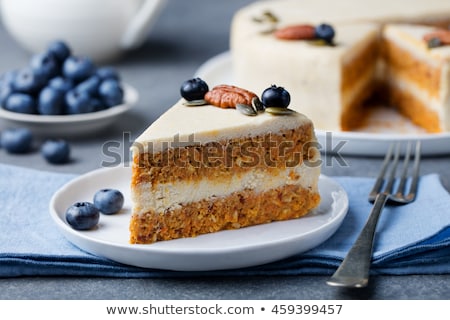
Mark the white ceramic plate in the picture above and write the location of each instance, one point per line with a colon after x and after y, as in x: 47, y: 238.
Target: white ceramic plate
x: 70, y: 125
x: 222, y: 250
x: 385, y: 124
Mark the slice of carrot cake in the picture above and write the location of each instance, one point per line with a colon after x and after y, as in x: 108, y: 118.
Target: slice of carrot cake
x: 202, y: 169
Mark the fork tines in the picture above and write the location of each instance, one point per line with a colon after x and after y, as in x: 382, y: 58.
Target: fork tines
x: 389, y: 167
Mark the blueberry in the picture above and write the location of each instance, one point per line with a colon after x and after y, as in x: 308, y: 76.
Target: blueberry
x: 194, y: 89
x: 78, y: 68
x: 8, y: 77
x: 108, y: 73
x: 275, y: 97
x: 60, y: 50
x: 98, y: 105
x: 56, y: 151
x: 60, y: 83
x: 111, y: 92
x: 5, y: 92
x: 82, y: 216
x: 17, y: 140
x: 89, y: 86
x: 434, y: 43
x: 325, y: 32
x: 78, y: 102
x: 51, y: 101
x: 44, y: 64
x: 108, y: 201
x: 21, y: 103
x: 27, y: 81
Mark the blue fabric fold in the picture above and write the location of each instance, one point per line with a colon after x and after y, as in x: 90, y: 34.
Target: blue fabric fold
x: 411, y: 239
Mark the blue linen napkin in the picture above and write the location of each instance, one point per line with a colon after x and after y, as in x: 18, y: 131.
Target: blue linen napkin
x: 411, y: 239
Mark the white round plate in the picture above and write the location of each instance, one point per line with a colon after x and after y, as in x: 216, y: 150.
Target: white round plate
x: 71, y: 125
x: 216, y: 251
x: 384, y: 126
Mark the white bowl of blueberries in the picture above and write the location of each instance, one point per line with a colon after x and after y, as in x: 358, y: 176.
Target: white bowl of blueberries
x: 60, y: 94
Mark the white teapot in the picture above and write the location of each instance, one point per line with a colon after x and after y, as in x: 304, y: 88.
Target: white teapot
x: 100, y: 29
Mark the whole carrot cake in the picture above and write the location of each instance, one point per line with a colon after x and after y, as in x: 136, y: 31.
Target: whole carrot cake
x: 335, y: 55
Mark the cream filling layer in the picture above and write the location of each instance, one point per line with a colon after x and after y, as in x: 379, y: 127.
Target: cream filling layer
x: 442, y: 108
x: 170, y: 196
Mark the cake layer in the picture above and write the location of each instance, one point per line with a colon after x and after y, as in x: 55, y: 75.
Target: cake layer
x: 353, y: 110
x: 425, y: 74
x: 237, y: 210
x: 416, y: 109
x: 224, y: 159
x: 361, y: 62
x: 164, y: 197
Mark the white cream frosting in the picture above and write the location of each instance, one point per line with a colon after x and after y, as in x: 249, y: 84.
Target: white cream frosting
x: 182, y: 126
x: 169, y: 196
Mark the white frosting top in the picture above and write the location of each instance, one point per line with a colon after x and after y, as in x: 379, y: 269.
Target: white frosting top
x: 317, y: 11
x: 182, y: 126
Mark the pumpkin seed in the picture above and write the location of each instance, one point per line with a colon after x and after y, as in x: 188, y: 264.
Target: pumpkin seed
x: 279, y: 111
x: 267, y: 16
x: 257, y: 104
x: 270, y: 16
x: 258, y: 20
x: 321, y: 43
x: 269, y: 19
x: 195, y: 103
x: 246, y: 109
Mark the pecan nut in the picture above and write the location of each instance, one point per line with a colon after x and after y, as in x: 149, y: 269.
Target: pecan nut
x: 442, y: 34
x: 227, y: 96
x: 296, y: 32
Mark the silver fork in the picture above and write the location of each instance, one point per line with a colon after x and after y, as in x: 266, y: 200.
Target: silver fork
x: 354, y: 270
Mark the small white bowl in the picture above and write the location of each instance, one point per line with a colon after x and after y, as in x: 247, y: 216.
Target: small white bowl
x: 70, y: 125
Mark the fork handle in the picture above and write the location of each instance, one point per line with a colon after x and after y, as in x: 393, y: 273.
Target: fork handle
x: 354, y: 270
